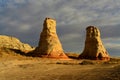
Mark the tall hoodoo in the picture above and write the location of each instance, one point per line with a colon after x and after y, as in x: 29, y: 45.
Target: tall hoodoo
x: 94, y: 48
x: 49, y: 44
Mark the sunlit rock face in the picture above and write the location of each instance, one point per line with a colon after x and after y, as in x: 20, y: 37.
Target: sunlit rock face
x: 49, y: 44
x: 10, y: 42
x: 94, y: 48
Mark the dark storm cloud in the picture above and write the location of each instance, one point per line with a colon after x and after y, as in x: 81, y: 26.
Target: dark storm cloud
x: 111, y: 31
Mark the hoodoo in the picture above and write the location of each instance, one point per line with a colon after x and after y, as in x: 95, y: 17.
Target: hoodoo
x: 49, y: 44
x: 94, y: 48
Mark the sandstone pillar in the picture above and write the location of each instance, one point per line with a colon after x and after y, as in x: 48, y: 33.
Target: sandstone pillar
x: 49, y: 44
x: 94, y: 48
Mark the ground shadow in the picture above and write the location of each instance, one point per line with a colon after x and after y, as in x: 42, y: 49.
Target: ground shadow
x: 18, y: 51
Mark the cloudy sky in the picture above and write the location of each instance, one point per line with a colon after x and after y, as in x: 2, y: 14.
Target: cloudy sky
x: 24, y: 19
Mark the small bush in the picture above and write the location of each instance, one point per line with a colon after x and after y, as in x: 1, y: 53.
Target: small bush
x: 86, y: 62
x: 58, y: 63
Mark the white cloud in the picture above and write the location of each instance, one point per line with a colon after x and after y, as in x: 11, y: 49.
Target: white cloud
x: 113, y: 43
x: 24, y: 27
x: 70, y: 37
x: 20, y: 1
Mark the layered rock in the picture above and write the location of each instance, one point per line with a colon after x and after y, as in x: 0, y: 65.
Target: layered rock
x: 49, y: 44
x: 94, y: 48
x: 14, y: 43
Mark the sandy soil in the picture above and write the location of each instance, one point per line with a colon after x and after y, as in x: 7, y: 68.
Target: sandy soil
x: 47, y: 69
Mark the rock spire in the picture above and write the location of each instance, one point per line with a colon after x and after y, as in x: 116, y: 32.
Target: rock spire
x: 49, y: 44
x: 94, y: 48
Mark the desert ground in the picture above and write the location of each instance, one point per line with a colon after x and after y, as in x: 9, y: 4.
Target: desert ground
x: 28, y: 68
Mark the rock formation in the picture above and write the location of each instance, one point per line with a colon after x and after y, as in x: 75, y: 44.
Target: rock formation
x: 49, y: 44
x: 94, y: 48
x: 14, y: 43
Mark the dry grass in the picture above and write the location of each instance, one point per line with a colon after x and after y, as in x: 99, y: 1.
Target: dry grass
x: 52, y: 69
x: 9, y: 54
x: 14, y: 66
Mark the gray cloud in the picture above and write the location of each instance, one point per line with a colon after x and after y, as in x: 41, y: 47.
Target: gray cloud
x: 73, y: 16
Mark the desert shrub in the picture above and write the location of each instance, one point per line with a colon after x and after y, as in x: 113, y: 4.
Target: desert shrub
x: 58, y: 63
x: 113, y: 61
x: 66, y: 63
x: 87, y: 62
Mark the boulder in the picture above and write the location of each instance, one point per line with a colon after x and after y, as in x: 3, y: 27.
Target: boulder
x: 94, y: 48
x: 49, y: 44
